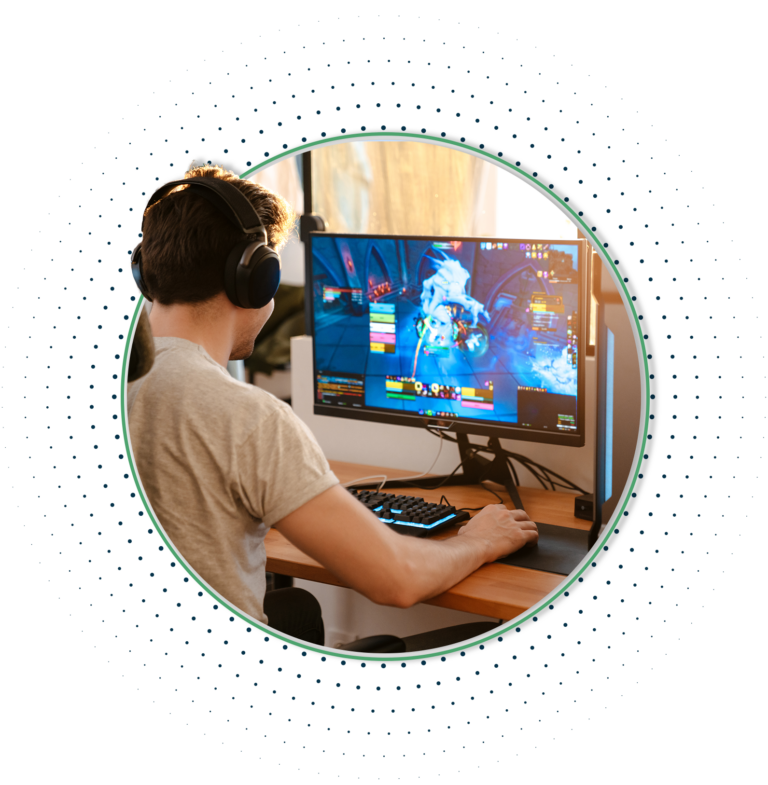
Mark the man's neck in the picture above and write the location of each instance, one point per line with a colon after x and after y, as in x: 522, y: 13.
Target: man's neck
x: 205, y: 324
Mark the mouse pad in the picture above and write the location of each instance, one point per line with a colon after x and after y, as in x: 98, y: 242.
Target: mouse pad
x: 559, y: 550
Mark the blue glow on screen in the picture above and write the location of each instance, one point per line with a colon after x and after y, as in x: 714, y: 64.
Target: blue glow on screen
x: 477, y: 330
x: 609, y: 418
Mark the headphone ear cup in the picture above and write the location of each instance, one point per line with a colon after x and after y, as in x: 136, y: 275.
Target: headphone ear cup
x: 263, y: 277
x: 251, y: 274
x: 230, y: 272
x: 136, y: 270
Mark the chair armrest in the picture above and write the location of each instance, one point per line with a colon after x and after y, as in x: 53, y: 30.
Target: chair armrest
x: 379, y: 645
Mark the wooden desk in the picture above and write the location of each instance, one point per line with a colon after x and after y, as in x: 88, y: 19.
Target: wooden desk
x: 496, y: 590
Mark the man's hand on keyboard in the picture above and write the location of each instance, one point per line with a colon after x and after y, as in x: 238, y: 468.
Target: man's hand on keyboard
x: 505, y: 531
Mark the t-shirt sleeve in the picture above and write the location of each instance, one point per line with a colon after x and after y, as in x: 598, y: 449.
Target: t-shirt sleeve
x: 281, y: 467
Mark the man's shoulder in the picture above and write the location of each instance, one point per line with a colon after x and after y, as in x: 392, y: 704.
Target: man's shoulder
x: 241, y: 394
x: 184, y: 374
x: 249, y: 396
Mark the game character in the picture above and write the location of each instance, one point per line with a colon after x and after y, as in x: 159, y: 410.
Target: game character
x: 448, y: 285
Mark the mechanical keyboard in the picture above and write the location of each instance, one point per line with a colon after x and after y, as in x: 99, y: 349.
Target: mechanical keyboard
x: 409, y: 514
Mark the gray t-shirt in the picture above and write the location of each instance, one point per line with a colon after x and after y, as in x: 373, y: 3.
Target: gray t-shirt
x: 221, y: 462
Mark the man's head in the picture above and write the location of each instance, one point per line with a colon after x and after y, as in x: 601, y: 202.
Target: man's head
x: 185, y: 244
x: 186, y: 240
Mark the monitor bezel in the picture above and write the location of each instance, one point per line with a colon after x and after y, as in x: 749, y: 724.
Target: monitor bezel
x: 479, y: 428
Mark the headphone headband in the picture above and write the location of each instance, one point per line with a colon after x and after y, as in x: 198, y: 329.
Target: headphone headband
x: 225, y: 196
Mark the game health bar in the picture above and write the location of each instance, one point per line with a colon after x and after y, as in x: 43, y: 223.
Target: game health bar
x: 385, y: 308
x: 381, y: 332
x: 327, y: 378
x: 383, y: 328
x: 476, y: 405
x: 341, y: 390
x: 333, y: 293
x: 340, y: 387
x: 381, y: 318
x: 405, y: 391
x: 552, y: 303
x: 402, y: 386
x: 477, y: 398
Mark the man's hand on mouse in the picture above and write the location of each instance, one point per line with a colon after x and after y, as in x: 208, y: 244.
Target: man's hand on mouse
x: 504, y: 531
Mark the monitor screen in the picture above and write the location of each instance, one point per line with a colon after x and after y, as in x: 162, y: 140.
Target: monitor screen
x: 480, y: 334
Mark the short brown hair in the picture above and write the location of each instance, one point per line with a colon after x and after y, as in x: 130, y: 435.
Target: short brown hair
x: 186, y: 240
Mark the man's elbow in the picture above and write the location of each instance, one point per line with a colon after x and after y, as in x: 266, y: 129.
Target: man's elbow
x: 405, y: 598
x: 393, y: 596
x: 397, y: 578
x: 398, y: 591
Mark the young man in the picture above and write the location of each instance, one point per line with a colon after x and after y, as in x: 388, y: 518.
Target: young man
x: 222, y: 461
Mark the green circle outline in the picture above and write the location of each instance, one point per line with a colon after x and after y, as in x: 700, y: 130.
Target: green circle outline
x: 609, y: 530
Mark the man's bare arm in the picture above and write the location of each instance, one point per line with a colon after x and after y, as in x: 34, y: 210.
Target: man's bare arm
x: 392, y: 569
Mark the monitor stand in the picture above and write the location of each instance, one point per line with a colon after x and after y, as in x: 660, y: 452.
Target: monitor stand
x: 559, y: 550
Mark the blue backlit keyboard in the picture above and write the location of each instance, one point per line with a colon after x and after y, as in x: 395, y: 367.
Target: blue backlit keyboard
x: 409, y: 514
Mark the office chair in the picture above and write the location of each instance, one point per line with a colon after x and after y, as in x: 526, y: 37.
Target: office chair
x: 141, y: 355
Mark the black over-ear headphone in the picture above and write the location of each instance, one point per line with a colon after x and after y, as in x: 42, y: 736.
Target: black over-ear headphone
x: 252, y: 269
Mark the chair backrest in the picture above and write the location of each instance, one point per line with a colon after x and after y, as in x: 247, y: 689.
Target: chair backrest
x: 142, y: 350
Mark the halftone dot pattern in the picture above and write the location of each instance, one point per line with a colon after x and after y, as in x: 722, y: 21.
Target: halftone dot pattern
x: 99, y: 558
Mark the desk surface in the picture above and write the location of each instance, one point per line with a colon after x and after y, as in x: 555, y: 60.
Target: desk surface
x: 496, y: 590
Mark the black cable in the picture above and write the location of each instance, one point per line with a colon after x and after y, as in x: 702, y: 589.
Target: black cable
x: 442, y: 434
x: 443, y: 497
x: 552, y: 483
x: 508, y: 456
x: 548, y: 473
x: 490, y: 490
x: 541, y: 473
x: 484, y: 476
x: 480, y: 482
x: 474, y: 509
x: 567, y: 483
x: 532, y: 468
x: 512, y: 471
x: 569, y: 487
x: 555, y: 474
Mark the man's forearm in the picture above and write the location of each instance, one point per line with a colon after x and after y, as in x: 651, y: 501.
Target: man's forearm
x: 392, y: 569
x: 430, y: 567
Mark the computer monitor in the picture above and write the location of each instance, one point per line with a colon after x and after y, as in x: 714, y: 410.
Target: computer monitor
x: 481, y: 335
x: 475, y: 335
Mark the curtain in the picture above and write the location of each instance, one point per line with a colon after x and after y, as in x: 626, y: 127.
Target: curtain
x: 403, y: 188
